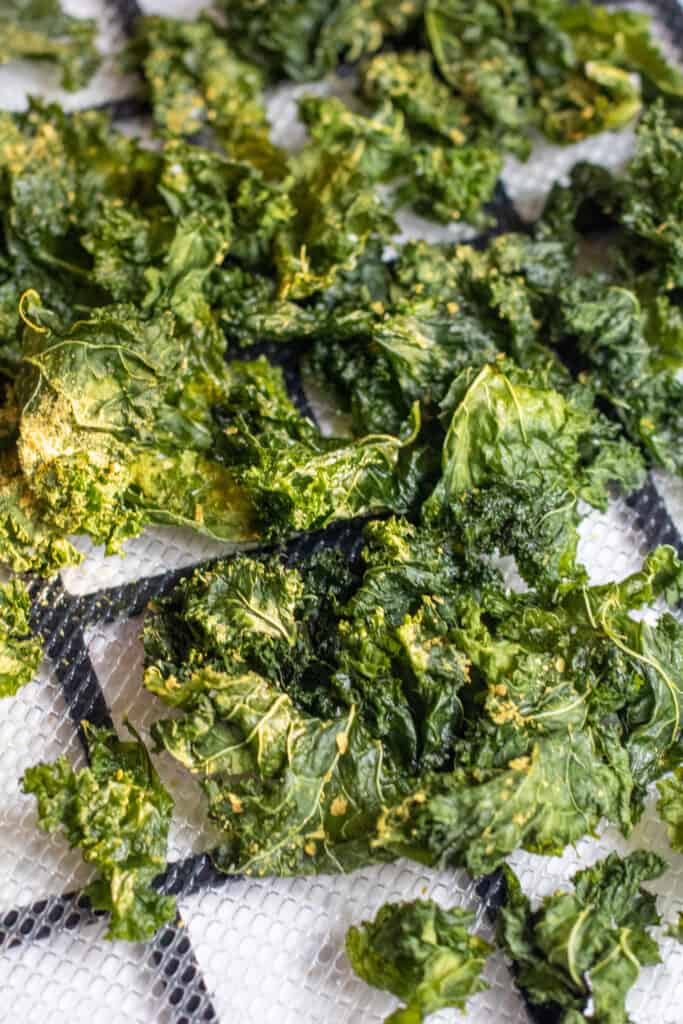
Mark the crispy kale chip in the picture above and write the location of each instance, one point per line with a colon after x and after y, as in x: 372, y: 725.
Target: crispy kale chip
x: 399, y: 659
x: 434, y: 312
x: 670, y: 807
x: 196, y: 82
x: 118, y: 812
x: 40, y: 30
x: 116, y: 428
x: 421, y: 953
x: 586, y: 946
x: 490, y: 720
x: 563, y: 68
x: 20, y: 651
x: 434, y: 168
x: 574, y: 708
x: 632, y: 346
x: 305, y: 39
x: 133, y: 419
x: 517, y: 458
x: 294, y: 793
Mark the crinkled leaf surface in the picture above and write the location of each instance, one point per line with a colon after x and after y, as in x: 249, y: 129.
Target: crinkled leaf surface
x: 422, y: 953
x: 118, y: 813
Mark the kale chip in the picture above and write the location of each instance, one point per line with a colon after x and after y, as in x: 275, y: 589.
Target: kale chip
x: 564, y: 68
x: 304, y: 39
x: 118, y: 812
x: 293, y: 793
x: 40, y: 30
x: 586, y: 946
x: 563, y: 693
x: 197, y: 82
x: 517, y: 458
x: 20, y: 651
x: 670, y: 807
x: 421, y: 953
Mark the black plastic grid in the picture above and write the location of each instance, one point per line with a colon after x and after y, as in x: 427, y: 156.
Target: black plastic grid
x: 60, y: 619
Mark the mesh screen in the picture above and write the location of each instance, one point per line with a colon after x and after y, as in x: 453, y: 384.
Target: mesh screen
x: 244, y: 950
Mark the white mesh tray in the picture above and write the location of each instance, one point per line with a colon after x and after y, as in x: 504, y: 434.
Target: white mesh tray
x: 254, y: 951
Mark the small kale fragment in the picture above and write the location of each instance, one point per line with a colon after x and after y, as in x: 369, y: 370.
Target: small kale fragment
x: 20, y: 651
x: 586, y: 946
x: 435, y: 170
x: 670, y: 807
x: 421, y: 953
x: 118, y: 812
x: 676, y: 930
x: 40, y: 30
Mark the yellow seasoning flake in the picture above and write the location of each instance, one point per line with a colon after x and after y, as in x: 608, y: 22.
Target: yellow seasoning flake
x: 560, y: 664
x: 310, y: 848
x: 235, y: 803
x: 339, y: 806
x: 520, y: 764
x: 342, y: 742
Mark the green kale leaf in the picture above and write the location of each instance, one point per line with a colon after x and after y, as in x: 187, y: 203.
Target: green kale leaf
x: 513, y: 444
x: 564, y: 68
x: 195, y: 81
x: 670, y: 807
x: 305, y: 39
x: 20, y: 651
x: 421, y: 953
x: 118, y: 813
x: 585, y: 946
x: 40, y: 30
x: 434, y: 170
x: 294, y: 794
x: 298, y: 478
x: 561, y: 693
x: 540, y: 800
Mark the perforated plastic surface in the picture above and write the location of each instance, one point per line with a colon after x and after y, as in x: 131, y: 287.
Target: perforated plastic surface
x: 251, y: 951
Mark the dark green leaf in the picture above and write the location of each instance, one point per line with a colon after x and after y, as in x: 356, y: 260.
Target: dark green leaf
x: 421, y: 953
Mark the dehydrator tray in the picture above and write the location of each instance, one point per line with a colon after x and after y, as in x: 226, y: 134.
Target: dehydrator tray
x: 244, y: 950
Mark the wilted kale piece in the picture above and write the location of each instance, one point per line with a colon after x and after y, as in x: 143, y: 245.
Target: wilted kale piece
x: 670, y: 807
x: 564, y: 68
x: 517, y: 458
x: 294, y: 793
x: 586, y: 947
x: 437, y: 310
x: 196, y: 81
x: 436, y: 170
x: 118, y: 812
x: 494, y: 720
x: 303, y: 39
x: 573, y: 709
x: 20, y: 651
x: 40, y: 30
x: 421, y: 953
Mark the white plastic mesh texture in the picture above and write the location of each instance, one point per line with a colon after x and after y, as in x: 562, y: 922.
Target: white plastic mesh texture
x: 269, y: 950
